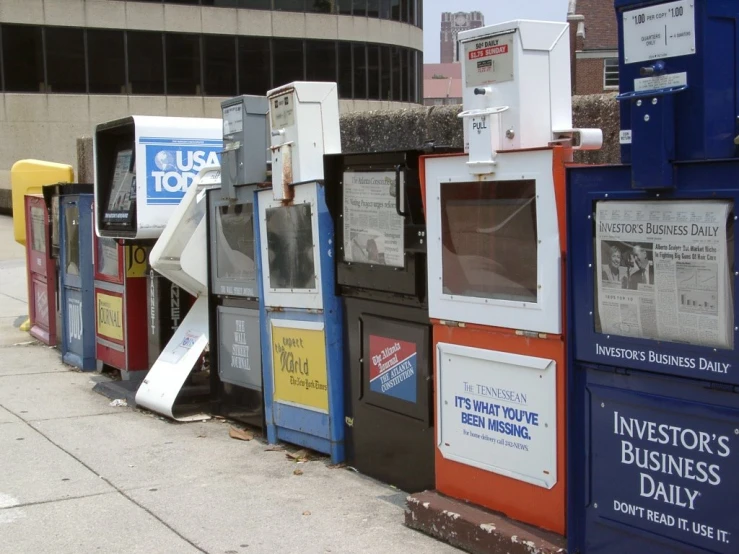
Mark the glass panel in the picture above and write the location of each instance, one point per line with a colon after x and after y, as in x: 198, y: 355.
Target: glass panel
x: 404, y: 10
x: 235, y: 243
x: 396, y: 72
x: 106, y: 61
x: 345, y: 7
x: 360, y: 70
x: 288, y: 60
x: 55, y: 222
x: 395, y: 7
x: 320, y: 6
x: 183, y: 64
x: 65, y: 60
x: 384, y: 9
x: 145, y: 63
x: 23, y: 73
x: 256, y: 4
x: 373, y: 230
x: 385, y: 73
x: 373, y: 72
x: 320, y: 60
x: 290, y: 247
x: 38, y: 230
x: 489, y: 240
x: 345, y: 70
x: 107, y: 257
x: 360, y: 7
x: 219, y: 62
x: 663, y: 271
x: 290, y: 6
x: 254, y: 72
x: 404, y: 74
x: 373, y: 8
x: 72, y: 230
x: 122, y: 189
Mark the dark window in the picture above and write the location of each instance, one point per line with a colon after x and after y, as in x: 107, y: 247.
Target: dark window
x: 344, y: 6
x: 419, y: 76
x: 183, y: 64
x: 395, y: 7
x: 396, y: 72
x: 65, y: 60
x: 373, y: 72
x: 404, y: 74
x: 360, y: 70
x: 288, y: 61
x: 345, y: 70
x: 320, y: 58
x: 254, y: 73
x: 385, y: 9
x: 360, y: 7
x: 222, y: 3
x: 106, y: 62
x: 145, y: 63
x: 405, y: 11
x: 373, y: 8
x: 219, y: 64
x: 385, y: 73
x: 23, y: 73
x: 489, y: 239
x: 320, y: 6
x: 256, y: 4
x: 290, y: 5
x: 290, y: 247
x: 412, y: 77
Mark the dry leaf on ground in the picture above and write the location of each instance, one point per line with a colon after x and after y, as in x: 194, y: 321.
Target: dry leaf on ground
x: 240, y: 434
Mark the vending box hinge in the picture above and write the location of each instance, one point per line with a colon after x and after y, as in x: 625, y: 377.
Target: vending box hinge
x: 530, y: 334
x: 452, y: 323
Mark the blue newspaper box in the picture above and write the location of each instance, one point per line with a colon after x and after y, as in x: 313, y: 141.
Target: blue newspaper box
x: 300, y: 314
x: 653, y: 441
x: 77, y: 279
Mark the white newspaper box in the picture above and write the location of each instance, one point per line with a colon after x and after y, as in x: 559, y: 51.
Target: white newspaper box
x: 143, y: 167
x: 180, y: 255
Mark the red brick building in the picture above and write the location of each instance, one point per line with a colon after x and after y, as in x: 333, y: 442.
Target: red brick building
x: 451, y: 25
x: 594, y: 36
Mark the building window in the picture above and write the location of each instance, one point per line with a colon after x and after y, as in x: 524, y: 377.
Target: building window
x: 219, y: 65
x: 254, y: 68
x: 65, y: 60
x: 345, y: 70
x: 106, y: 61
x: 320, y: 6
x: 290, y: 5
x: 320, y: 59
x: 23, y: 73
x: 610, y: 73
x: 183, y: 64
x: 344, y: 6
x: 385, y: 73
x: 287, y: 58
x: 373, y: 72
x: 359, y: 53
x: 360, y: 8
x: 145, y: 62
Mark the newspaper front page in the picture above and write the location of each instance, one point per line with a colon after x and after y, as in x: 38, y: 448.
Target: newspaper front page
x: 663, y: 271
x: 373, y: 230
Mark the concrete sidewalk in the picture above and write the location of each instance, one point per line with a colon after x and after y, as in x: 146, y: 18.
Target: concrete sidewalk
x: 81, y: 476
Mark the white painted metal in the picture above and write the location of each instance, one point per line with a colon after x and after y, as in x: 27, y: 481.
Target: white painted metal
x: 164, y: 381
x: 543, y: 316
x: 180, y: 254
x: 304, y: 123
x: 168, y: 133
x: 311, y: 299
x: 512, y: 401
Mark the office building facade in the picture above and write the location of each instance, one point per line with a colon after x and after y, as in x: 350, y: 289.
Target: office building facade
x: 66, y: 65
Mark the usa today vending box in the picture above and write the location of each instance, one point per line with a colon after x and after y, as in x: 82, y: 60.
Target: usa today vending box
x: 143, y: 167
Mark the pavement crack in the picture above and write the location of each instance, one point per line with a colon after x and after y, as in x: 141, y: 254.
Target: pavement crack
x: 112, y: 485
x: 53, y: 500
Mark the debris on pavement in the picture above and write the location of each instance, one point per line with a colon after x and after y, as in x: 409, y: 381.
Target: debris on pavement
x: 240, y: 434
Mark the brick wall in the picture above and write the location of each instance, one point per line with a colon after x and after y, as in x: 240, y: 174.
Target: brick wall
x: 601, y: 31
x: 589, y: 76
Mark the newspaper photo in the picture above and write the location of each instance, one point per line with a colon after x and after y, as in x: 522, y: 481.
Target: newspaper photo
x: 373, y: 230
x: 663, y: 271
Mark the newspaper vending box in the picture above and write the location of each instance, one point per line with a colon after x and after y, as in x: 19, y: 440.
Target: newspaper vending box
x: 375, y: 198
x: 41, y: 268
x: 301, y: 337
x: 76, y: 276
x: 235, y: 352
x: 654, y: 416
x: 496, y: 236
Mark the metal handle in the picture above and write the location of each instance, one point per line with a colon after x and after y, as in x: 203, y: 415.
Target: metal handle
x: 398, y: 169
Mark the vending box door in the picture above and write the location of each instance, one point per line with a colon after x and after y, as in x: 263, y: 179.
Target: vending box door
x: 41, y: 271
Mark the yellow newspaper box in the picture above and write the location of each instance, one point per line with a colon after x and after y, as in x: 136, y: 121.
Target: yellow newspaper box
x: 27, y: 177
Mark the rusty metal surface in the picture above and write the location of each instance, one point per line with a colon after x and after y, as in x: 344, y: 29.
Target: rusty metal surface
x: 476, y: 530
